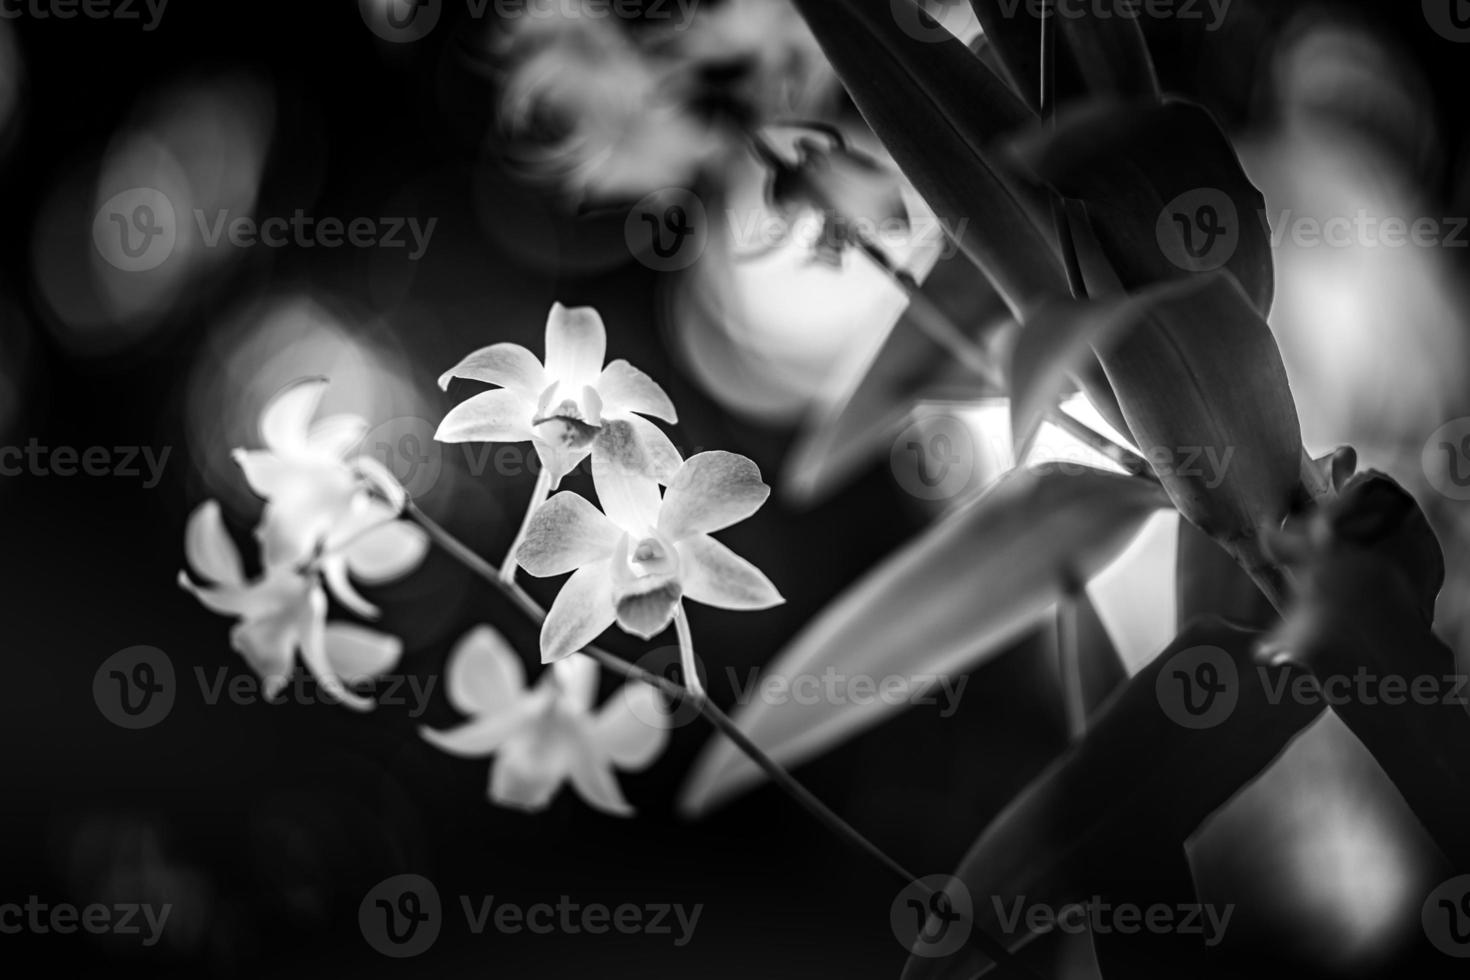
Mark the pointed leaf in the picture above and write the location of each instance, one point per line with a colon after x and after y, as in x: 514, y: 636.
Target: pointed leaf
x: 975, y: 581
x: 1204, y: 390
x: 936, y: 107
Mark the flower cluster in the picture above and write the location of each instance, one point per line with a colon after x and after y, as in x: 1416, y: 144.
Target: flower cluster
x: 332, y: 517
x: 329, y: 517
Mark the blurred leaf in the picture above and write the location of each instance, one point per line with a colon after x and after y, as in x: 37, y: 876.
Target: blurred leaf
x: 1204, y: 390
x: 1164, y: 188
x: 1369, y: 569
x: 1140, y: 783
x: 936, y: 108
x: 1095, y: 54
x: 909, y: 368
x: 971, y: 584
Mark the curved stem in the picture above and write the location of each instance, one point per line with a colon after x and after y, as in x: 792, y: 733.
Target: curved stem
x: 687, y: 662
x: 720, y: 721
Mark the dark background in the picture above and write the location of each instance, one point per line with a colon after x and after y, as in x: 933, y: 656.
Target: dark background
x: 265, y: 825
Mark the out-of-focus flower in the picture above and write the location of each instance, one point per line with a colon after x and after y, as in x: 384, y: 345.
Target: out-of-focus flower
x: 634, y: 110
x: 283, y: 611
x: 561, y: 406
x: 635, y: 564
x: 853, y: 195
x: 547, y: 735
x: 320, y: 500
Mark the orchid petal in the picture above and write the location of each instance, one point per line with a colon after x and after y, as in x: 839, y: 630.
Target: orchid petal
x: 647, y: 614
x: 268, y: 474
x: 624, y: 388
x: 358, y: 654
x: 591, y: 774
x: 576, y: 677
x: 625, y: 472
x: 528, y: 771
x: 485, y: 674
x: 267, y: 645
x: 582, y: 610
x: 498, y: 415
x: 477, y: 738
x: 507, y: 365
x: 334, y: 574
x: 625, y: 728
x: 576, y: 344
x: 711, y: 491
x: 229, y: 600
x: 386, y: 552
x: 714, y: 575
x: 287, y: 417
x: 313, y: 632
x: 207, y: 545
x: 335, y: 435
x: 565, y: 533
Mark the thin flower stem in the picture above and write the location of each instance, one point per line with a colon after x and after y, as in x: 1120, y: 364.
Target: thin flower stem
x: 720, y: 721
x: 539, y: 493
x: 687, y: 663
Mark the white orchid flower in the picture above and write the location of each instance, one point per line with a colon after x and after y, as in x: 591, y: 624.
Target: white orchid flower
x: 322, y: 501
x: 561, y: 406
x: 549, y: 734
x: 282, y: 612
x: 635, y: 564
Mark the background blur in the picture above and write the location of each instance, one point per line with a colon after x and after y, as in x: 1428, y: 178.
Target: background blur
x: 265, y: 825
